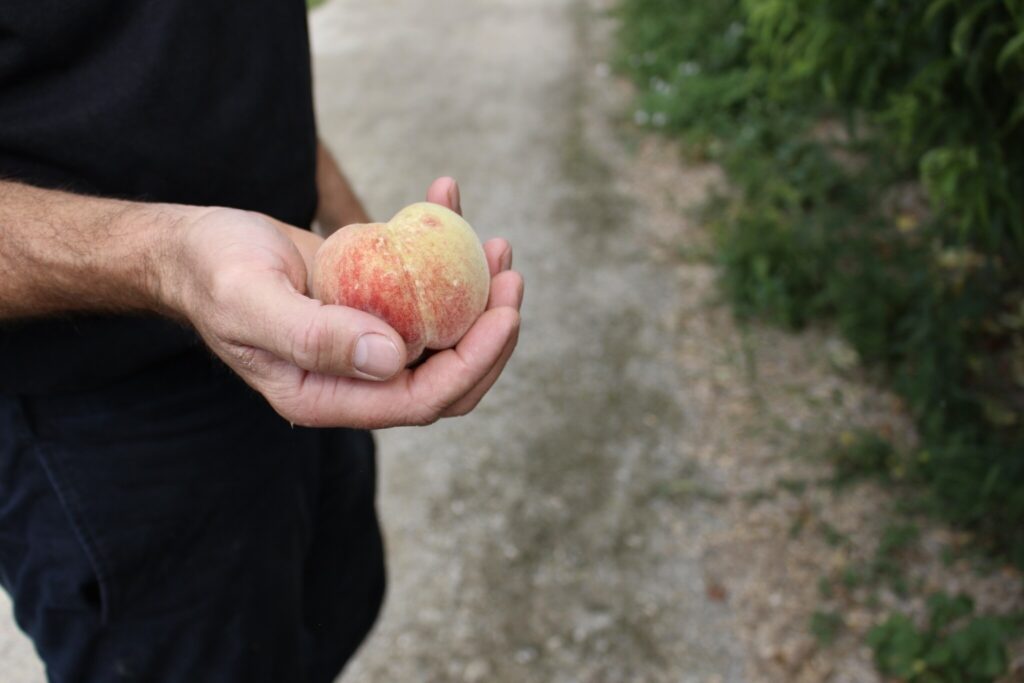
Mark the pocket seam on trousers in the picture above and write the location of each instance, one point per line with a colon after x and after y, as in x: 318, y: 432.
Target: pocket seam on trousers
x: 69, y: 502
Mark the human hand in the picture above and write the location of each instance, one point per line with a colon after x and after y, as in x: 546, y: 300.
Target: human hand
x: 241, y: 279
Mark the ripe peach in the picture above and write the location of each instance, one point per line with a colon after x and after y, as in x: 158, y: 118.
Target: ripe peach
x: 423, y: 272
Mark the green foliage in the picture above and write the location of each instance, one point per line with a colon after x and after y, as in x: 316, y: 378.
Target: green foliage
x: 887, y: 564
x: 896, y: 538
x: 825, y: 627
x: 954, y: 647
x: 877, y: 182
x: 858, y: 455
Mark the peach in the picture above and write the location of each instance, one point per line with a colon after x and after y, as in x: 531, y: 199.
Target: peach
x: 423, y: 272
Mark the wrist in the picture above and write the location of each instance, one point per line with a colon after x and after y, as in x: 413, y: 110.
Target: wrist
x: 338, y: 203
x: 67, y: 253
x: 159, y: 270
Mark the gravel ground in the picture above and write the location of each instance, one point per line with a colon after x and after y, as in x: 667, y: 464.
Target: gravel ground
x: 638, y: 498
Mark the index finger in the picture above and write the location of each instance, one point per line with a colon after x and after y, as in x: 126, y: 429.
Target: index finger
x: 445, y: 191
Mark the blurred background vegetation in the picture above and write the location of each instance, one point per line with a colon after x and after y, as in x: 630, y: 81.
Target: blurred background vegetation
x: 875, y: 150
x: 875, y: 156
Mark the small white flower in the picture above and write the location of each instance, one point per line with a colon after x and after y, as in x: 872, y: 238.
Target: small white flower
x: 689, y: 68
x: 659, y: 85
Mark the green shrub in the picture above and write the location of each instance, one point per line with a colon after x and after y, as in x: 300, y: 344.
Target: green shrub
x: 876, y: 158
x: 954, y: 647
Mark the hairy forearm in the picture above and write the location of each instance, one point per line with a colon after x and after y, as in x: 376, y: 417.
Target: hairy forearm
x: 239, y: 279
x: 338, y: 203
x: 61, y: 252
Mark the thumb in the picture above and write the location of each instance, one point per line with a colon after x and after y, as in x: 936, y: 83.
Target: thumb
x: 321, y: 338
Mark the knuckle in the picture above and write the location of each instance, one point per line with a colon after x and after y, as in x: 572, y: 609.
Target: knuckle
x: 462, y: 408
x: 246, y: 357
x: 298, y: 414
x: 223, y: 283
x: 423, y: 420
x: 312, y: 344
x: 219, y: 308
x: 305, y: 420
x: 299, y: 418
x: 425, y: 415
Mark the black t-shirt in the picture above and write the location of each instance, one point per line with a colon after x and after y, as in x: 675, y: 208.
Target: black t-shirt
x: 205, y: 102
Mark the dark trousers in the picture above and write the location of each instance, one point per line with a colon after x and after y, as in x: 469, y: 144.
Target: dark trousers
x: 172, y: 528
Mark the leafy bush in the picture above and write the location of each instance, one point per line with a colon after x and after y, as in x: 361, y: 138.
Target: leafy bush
x: 876, y: 158
x: 954, y: 647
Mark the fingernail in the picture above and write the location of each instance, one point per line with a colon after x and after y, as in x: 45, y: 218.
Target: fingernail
x: 453, y: 197
x: 506, y: 260
x: 376, y: 355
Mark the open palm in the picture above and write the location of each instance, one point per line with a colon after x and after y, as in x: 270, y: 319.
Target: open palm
x: 248, y: 299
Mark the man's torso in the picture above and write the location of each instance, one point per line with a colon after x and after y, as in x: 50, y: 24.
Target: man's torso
x: 205, y: 103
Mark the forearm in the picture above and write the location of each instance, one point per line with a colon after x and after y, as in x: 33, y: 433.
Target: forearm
x: 239, y: 279
x: 61, y: 252
x: 338, y: 203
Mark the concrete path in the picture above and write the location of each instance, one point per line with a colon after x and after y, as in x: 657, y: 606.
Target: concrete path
x: 533, y: 540
x: 541, y: 538
x: 18, y: 661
